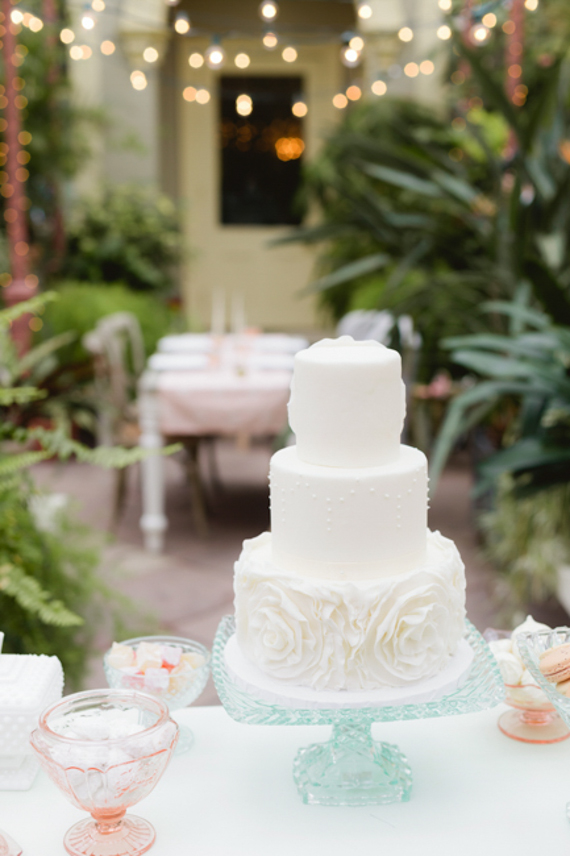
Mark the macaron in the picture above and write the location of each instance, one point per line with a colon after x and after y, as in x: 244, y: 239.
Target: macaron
x: 564, y: 688
x: 555, y: 663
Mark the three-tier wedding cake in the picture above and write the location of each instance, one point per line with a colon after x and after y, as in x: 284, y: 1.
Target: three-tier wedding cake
x: 350, y: 590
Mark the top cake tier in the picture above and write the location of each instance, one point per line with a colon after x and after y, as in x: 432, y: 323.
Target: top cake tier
x: 347, y: 404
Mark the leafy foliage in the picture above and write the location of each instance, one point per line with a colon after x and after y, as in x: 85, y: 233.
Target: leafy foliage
x: 80, y: 305
x: 530, y: 367
x: 129, y: 235
x: 52, y: 596
x: 527, y: 539
x: 432, y: 214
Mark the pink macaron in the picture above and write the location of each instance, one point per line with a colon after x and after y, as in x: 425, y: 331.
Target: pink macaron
x: 555, y: 663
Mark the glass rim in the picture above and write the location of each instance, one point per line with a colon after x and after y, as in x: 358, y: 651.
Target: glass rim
x: 179, y: 640
x: 134, y: 695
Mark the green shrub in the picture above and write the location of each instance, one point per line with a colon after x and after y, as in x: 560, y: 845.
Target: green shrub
x: 81, y: 305
x: 129, y: 235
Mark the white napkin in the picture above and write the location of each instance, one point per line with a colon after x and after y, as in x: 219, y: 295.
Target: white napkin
x: 177, y: 362
x: 200, y: 342
x: 280, y: 343
x: 271, y: 362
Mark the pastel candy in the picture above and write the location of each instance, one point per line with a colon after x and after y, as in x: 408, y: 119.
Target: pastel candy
x: 121, y: 656
x: 171, y: 655
x: 149, y: 656
x: 156, y: 679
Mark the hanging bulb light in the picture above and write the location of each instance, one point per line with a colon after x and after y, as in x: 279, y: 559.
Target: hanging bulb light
x: 364, y: 10
x: 357, y: 43
x: 244, y: 105
x: 215, y: 56
x: 349, y: 56
x: 182, y: 23
x: 270, y: 41
x: 171, y: 2
x: 268, y: 10
x: 479, y: 34
x: 88, y: 21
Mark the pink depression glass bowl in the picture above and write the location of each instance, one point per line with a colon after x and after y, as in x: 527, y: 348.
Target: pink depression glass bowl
x: 182, y: 689
x: 531, y: 721
x: 106, y: 750
x: 533, y: 718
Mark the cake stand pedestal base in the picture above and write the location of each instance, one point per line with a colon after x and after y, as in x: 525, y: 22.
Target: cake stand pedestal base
x: 352, y: 769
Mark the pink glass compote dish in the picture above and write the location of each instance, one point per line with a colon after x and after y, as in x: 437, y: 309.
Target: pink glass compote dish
x: 177, y: 683
x: 106, y: 750
x: 534, y: 718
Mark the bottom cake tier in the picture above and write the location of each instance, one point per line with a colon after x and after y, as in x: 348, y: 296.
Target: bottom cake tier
x: 350, y: 635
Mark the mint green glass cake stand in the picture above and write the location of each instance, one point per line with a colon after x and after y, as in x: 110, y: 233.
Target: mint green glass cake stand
x: 352, y: 768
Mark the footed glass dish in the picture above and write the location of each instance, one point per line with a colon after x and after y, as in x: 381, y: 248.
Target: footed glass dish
x: 180, y: 689
x: 352, y: 768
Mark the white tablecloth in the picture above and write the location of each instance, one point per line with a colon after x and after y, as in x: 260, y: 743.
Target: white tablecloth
x: 223, y: 402
x: 475, y: 792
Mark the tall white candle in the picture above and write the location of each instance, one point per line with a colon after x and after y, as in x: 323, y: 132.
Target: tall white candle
x: 218, y: 318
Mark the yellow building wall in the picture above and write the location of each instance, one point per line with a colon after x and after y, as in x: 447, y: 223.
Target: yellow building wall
x: 237, y: 258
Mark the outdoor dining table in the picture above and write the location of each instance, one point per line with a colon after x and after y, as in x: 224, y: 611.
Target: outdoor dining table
x: 200, y: 386
x: 475, y: 792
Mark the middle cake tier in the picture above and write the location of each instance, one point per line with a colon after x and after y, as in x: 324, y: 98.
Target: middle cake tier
x: 348, y: 524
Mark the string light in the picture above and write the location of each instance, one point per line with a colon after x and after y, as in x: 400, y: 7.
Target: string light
x: 444, y: 5
x: 289, y: 54
x: 268, y: 10
x: 531, y: 5
x: 98, y: 5
x: 88, y: 21
x: 354, y: 92
x: 411, y: 69
x: 480, y: 33
x: 182, y: 23
x: 444, y: 32
x: 35, y: 24
x: 349, y: 56
x: 244, y: 105
x: 138, y: 80
x: 289, y: 148
x: 189, y: 93
x: 215, y: 56
x: 107, y: 47
x: 357, y: 43
x: 427, y: 67
x: 196, y: 60
x: 86, y: 52
x: 16, y: 16
x: 489, y: 20
x: 270, y: 41
x: 340, y: 101
x: 76, y: 52
x: 379, y: 87
x: 299, y: 109
x: 67, y: 36
x: 202, y: 96
x: 150, y: 54
x: 242, y: 60
x: 364, y: 11
x: 406, y: 34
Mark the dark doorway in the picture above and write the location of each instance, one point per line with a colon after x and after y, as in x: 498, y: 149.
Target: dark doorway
x: 261, y: 150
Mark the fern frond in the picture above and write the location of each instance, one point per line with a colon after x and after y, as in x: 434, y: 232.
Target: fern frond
x: 29, y: 594
x: 57, y: 442
x: 33, y: 305
x: 14, y: 463
x: 20, y: 395
x: 43, y: 350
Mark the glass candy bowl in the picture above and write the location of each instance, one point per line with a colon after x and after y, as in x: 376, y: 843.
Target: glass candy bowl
x: 533, y: 719
x: 352, y: 768
x: 106, y: 750
x: 179, y: 691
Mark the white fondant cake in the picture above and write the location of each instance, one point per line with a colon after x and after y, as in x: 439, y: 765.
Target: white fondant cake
x: 350, y: 591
